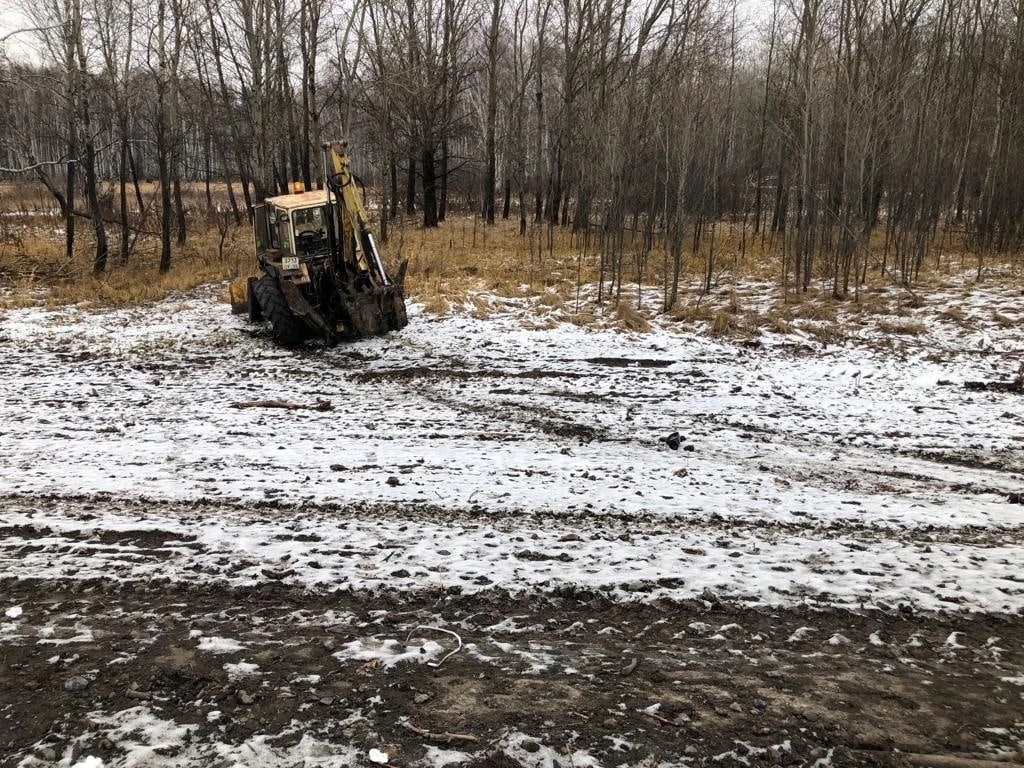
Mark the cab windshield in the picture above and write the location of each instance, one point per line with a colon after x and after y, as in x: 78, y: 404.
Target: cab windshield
x: 310, y: 229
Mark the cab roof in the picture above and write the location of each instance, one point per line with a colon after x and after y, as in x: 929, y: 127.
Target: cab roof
x: 301, y: 200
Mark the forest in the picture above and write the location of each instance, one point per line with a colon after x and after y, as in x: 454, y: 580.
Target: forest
x: 829, y: 137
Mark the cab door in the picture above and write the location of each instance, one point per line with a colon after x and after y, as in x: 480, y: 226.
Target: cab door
x: 260, y: 229
x: 279, y: 230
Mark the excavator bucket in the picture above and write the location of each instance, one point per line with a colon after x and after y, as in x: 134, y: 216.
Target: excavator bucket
x: 374, y: 313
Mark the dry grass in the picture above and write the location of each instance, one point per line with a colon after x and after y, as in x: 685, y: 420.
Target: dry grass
x: 826, y: 333
x: 777, y: 322
x: 954, y: 314
x: 458, y: 263
x: 1004, y: 320
x: 724, y: 324
x: 630, y: 318
x: 814, y: 308
x: 34, y: 267
x: 902, y: 327
x: 552, y: 299
x: 41, y: 263
x: 693, y: 314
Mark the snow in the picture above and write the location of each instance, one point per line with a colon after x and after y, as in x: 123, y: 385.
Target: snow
x: 150, y: 741
x: 389, y: 652
x: 800, y: 634
x: 241, y: 670
x: 536, y: 755
x: 219, y: 645
x: 519, y: 452
x: 441, y: 757
x: 491, y: 453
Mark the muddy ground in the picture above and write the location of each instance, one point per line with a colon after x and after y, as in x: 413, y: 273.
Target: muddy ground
x: 706, y: 681
x: 469, y: 544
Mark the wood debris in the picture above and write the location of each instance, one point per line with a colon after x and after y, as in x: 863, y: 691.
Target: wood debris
x: 444, y: 737
x: 319, y: 405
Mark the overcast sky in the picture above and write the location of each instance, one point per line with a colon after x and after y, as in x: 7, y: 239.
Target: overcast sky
x: 16, y: 46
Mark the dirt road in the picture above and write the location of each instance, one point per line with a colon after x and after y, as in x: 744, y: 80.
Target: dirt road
x: 162, y: 670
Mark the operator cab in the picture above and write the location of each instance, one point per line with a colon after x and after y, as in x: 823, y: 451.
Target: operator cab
x: 293, y: 225
x: 309, y: 228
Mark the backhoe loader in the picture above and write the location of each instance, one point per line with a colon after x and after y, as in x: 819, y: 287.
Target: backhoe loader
x: 323, y: 275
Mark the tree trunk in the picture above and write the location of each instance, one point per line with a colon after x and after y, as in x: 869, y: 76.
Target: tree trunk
x: 492, y: 111
x: 122, y: 184
x: 384, y: 206
x: 99, y: 263
x: 73, y: 33
x: 163, y: 164
x: 163, y: 150
x: 179, y: 203
x: 442, y: 207
x: 410, y: 187
x: 429, y: 189
x: 538, y: 209
x: 393, y: 164
x: 522, y: 214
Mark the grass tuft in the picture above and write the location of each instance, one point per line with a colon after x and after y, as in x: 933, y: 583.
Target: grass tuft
x: 630, y: 318
x: 826, y: 333
x: 902, y: 327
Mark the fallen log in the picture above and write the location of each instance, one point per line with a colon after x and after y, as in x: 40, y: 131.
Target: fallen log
x: 319, y: 405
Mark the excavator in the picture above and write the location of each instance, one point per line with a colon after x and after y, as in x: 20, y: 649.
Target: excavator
x: 322, y: 272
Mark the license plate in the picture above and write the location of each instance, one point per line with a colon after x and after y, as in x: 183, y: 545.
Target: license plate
x: 290, y: 262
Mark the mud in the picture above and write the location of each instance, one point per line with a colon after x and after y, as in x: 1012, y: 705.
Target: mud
x: 628, y: 682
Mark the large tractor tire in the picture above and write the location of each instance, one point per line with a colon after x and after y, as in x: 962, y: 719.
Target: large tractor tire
x: 289, y: 330
x: 253, y: 303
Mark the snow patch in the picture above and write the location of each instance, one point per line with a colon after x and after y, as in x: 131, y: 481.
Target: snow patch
x: 220, y: 645
x: 241, y: 670
x: 389, y: 652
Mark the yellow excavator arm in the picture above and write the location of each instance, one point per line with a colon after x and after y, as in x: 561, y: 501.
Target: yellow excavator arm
x: 354, y: 220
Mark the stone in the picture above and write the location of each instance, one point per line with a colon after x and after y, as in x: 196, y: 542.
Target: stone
x: 76, y: 684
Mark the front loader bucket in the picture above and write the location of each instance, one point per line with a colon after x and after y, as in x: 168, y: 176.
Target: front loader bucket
x: 238, y: 292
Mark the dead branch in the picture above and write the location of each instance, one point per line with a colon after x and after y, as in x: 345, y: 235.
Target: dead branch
x: 676, y: 723
x: 28, y: 30
x: 444, y: 738
x: 62, y: 202
x: 319, y: 405
x: 35, y: 166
